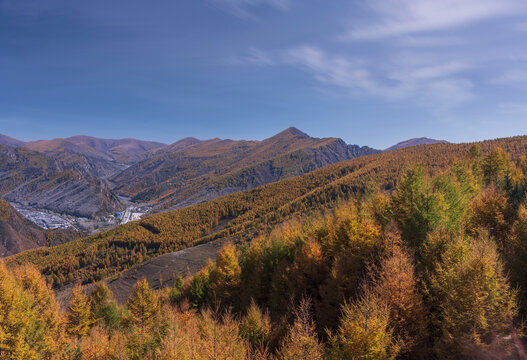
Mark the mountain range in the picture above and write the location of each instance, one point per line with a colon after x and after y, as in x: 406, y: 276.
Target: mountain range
x: 193, y: 171
x: 63, y: 182
x: 121, y: 151
x: 87, y: 177
x: 84, y: 176
x: 243, y: 216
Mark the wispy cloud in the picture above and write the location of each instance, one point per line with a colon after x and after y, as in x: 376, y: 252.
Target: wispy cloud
x: 406, y: 17
x: 427, y: 53
x: 430, y: 41
x: 245, y: 8
x: 255, y: 56
x: 401, y: 78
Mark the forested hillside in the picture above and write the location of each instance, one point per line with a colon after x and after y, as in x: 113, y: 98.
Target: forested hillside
x: 241, y: 215
x: 425, y: 260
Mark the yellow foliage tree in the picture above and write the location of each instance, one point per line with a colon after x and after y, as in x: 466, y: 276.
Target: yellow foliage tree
x: 364, y: 331
x: 79, y: 317
x: 225, y: 276
x: 301, y: 342
x: 476, y: 304
x: 143, y: 305
x: 30, y: 325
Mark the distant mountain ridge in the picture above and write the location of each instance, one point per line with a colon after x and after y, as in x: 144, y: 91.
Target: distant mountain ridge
x: 414, y: 142
x: 118, y: 150
x: 202, y: 170
x: 71, y: 175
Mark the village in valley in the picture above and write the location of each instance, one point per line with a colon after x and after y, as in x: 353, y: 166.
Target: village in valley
x: 47, y: 219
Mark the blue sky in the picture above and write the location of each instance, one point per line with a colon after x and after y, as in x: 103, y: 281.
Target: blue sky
x: 371, y: 72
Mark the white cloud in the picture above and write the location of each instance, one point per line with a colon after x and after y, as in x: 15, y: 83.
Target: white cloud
x: 430, y: 84
x: 428, y: 71
x: 244, y: 8
x: 405, y: 17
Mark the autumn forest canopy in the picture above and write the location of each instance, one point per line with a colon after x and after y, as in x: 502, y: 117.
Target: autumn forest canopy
x: 418, y: 253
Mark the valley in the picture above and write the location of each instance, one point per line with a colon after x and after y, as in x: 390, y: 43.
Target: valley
x: 92, y: 185
x: 90, y: 178
x: 134, y: 213
x: 263, y: 180
x: 45, y: 218
x: 354, y: 230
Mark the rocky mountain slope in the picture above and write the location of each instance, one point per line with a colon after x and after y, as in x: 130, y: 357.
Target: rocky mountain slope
x: 69, y: 175
x: 191, y: 171
x: 64, y: 183
x: 9, y: 141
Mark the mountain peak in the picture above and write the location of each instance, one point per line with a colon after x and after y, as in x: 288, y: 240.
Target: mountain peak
x: 414, y: 142
x: 291, y: 131
x: 183, y: 143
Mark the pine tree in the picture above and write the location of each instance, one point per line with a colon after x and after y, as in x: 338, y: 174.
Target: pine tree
x: 495, y: 167
x: 30, y: 325
x: 13, y: 319
x: 256, y: 327
x: 394, y: 281
x: 416, y: 207
x: 149, y: 327
x: 104, y: 308
x: 44, y: 332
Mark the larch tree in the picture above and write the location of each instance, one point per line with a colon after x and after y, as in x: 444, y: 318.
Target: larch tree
x: 301, y: 342
x: 364, y: 331
x: 395, y: 282
x: 474, y: 303
x: 225, y: 276
x: 79, y: 318
x: 255, y: 327
x: 143, y: 305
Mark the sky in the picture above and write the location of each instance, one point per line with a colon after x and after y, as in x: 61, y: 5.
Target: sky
x: 370, y: 72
